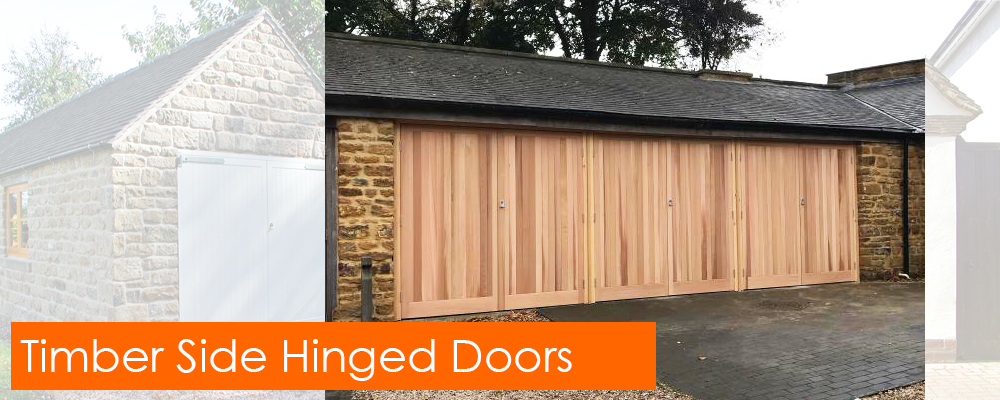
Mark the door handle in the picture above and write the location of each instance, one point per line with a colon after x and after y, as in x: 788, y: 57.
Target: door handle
x: 503, y: 204
x: 802, y: 201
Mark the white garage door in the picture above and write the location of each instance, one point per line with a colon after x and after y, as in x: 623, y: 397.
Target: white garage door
x: 250, y: 233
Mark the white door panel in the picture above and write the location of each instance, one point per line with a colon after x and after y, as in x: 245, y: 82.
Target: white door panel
x: 295, y: 242
x: 222, y: 213
x: 251, y: 238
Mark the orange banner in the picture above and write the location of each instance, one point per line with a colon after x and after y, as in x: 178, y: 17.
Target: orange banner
x: 317, y: 356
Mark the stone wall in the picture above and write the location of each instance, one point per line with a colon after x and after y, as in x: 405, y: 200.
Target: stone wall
x: 878, y: 73
x: 103, y: 225
x: 255, y: 100
x: 65, y: 277
x: 366, y: 165
x: 879, y: 216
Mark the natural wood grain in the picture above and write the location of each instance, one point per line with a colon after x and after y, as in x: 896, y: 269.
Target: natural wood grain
x: 448, y: 228
x: 630, y: 178
x: 397, y: 277
x: 702, y: 233
x: 589, y: 217
x: 543, y: 184
x: 800, y: 214
x: 770, y: 192
x: 830, y: 231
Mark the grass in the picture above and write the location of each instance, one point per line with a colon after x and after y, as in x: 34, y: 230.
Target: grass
x: 4, y: 366
x: 5, y: 392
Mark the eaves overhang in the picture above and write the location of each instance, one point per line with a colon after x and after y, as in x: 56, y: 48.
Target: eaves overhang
x: 368, y: 106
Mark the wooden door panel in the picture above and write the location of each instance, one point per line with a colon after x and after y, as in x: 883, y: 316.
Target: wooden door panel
x: 448, y: 221
x: 702, y: 229
x: 544, y: 193
x: 631, y: 248
x: 772, y: 227
x: 829, y: 220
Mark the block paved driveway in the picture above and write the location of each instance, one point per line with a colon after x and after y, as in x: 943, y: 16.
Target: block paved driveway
x: 961, y: 381
x: 835, y: 341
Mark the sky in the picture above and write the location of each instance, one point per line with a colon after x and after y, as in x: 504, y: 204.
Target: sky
x: 95, y: 29
x: 811, y: 37
x: 977, y: 78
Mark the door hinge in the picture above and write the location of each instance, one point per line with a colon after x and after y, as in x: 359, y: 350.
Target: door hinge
x: 203, y: 160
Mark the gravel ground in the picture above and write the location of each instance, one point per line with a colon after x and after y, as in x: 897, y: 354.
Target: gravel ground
x: 661, y: 393
x: 912, y: 392
x: 188, y: 394
x: 513, y: 316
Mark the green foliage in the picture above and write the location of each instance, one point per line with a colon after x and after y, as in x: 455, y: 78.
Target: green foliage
x: 664, y: 32
x: 715, y: 30
x: 301, y: 19
x: 158, y: 38
x: 47, y: 72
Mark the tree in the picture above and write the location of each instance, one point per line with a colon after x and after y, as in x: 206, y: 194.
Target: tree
x: 638, y: 32
x: 47, y: 72
x: 158, y: 38
x: 301, y: 19
x: 515, y: 25
x: 715, y: 30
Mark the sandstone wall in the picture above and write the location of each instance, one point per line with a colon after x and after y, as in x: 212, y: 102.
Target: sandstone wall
x: 365, y: 187
x: 879, y: 216
x: 255, y: 100
x: 66, y: 276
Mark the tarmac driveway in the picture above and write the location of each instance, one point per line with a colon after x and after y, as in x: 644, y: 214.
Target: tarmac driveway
x: 836, y: 341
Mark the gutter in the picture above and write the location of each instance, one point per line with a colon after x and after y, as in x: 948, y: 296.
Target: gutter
x: 92, y: 147
x: 904, y: 190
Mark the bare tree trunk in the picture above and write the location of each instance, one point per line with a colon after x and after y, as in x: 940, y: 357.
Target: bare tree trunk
x: 560, y: 30
x: 589, y: 29
x: 414, y: 10
x: 461, y: 24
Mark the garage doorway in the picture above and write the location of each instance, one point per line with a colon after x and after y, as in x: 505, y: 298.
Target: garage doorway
x: 799, y: 214
x: 250, y: 238
x: 493, y: 219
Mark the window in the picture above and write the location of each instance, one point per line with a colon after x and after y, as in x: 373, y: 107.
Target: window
x: 17, y: 220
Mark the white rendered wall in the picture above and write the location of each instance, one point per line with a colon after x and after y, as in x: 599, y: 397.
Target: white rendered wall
x: 940, y: 257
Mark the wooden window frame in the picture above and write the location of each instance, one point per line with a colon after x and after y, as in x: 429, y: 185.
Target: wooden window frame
x: 21, y: 252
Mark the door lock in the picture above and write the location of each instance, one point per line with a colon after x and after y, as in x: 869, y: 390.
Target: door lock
x: 670, y: 202
x: 802, y: 201
x: 503, y: 203
x: 270, y: 226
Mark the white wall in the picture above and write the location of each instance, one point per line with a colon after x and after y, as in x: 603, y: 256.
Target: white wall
x: 940, y: 257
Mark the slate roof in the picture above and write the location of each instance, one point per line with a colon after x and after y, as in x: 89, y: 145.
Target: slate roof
x: 390, y: 69
x: 900, y: 98
x: 109, y: 110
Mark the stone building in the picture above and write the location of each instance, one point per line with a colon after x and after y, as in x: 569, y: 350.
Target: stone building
x: 482, y: 180
x: 118, y: 200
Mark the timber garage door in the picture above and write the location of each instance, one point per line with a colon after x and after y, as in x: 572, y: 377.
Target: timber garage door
x: 493, y: 219
x: 664, y: 219
x: 799, y: 214
x: 485, y: 213
x: 250, y: 238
